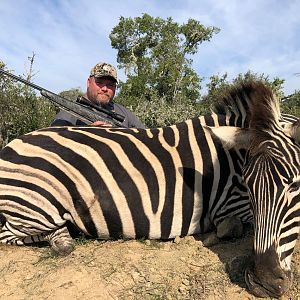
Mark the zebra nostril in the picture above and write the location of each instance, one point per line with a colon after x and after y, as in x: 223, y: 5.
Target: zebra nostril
x: 281, y: 275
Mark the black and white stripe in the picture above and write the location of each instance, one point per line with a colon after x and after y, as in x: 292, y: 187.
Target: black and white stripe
x: 154, y: 183
x: 271, y: 174
x: 135, y: 183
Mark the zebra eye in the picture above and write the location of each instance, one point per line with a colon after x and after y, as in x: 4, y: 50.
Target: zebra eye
x: 295, y: 186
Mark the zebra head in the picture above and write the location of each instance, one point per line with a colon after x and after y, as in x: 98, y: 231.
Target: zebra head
x: 272, y: 176
x: 271, y: 173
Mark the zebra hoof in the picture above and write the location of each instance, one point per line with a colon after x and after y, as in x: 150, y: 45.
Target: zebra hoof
x: 230, y: 228
x: 62, y: 247
x: 211, y: 240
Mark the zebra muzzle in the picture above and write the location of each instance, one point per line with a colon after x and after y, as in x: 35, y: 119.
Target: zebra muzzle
x: 268, y: 284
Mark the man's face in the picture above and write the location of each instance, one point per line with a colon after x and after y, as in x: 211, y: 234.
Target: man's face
x: 101, y: 90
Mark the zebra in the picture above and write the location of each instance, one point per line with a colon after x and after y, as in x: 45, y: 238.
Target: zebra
x: 156, y: 183
x: 143, y: 169
x: 271, y: 173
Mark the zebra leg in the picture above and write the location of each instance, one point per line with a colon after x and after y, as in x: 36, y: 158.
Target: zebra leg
x: 231, y: 227
x: 60, y: 241
x: 2, y: 221
x: 12, y: 235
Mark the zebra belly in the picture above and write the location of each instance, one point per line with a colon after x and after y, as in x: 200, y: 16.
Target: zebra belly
x: 118, y: 219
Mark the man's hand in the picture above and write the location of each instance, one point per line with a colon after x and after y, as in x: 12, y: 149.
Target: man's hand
x: 101, y: 124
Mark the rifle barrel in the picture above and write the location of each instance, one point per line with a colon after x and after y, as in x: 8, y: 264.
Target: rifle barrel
x: 114, y: 115
x: 81, y: 111
x: 19, y: 78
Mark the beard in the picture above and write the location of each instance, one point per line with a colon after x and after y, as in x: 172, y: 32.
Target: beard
x: 97, y: 98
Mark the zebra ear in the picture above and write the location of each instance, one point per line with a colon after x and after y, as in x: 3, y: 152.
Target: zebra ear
x: 293, y: 130
x: 233, y: 137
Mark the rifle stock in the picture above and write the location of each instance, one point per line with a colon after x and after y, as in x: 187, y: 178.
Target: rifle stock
x: 86, y: 112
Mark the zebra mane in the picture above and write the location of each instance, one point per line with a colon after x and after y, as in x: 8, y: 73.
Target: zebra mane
x: 253, y: 101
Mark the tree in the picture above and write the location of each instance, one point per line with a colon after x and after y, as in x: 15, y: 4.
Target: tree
x: 21, y: 109
x: 218, y: 84
x: 291, y: 104
x: 72, y: 94
x: 154, y: 54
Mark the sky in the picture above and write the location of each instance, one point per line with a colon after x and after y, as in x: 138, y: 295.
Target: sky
x: 68, y: 37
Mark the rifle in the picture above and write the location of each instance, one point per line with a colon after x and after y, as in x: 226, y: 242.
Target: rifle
x: 82, y: 108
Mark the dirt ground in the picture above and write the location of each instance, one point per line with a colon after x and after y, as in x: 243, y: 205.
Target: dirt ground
x: 179, y: 269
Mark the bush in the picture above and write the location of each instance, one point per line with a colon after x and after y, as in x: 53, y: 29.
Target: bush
x: 21, y: 110
x: 155, y: 111
x: 291, y: 104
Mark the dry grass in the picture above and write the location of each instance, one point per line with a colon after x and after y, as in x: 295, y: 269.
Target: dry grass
x: 132, y: 270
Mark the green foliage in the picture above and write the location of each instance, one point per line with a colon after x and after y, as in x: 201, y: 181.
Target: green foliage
x: 218, y: 84
x: 21, y: 109
x: 153, y: 52
x: 291, y: 104
x: 159, y: 112
x: 72, y: 94
x: 161, y: 86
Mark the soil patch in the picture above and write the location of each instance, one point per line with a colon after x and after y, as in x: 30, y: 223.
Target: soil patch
x: 179, y: 269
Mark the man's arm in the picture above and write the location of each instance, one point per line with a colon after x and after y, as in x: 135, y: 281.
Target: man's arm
x: 64, y: 118
x: 135, y: 122
x: 131, y: 120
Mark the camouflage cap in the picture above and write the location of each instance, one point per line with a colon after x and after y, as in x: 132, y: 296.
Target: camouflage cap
x: 103, y: 70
